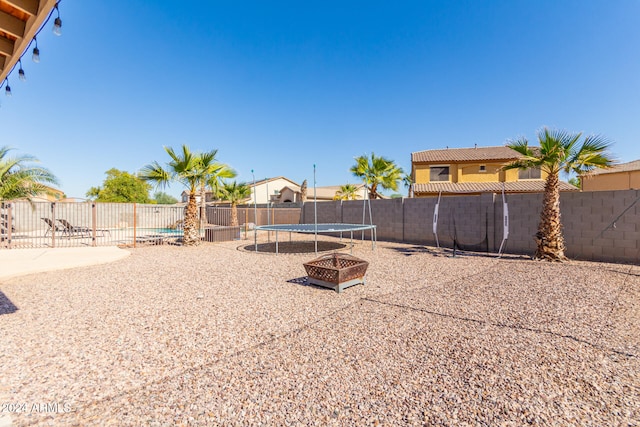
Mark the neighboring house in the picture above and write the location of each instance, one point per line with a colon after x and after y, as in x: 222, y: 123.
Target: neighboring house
x: 322, y: 194
x: 268, y: 190
x: 265, y: 190
x: 624, y: 176
x: 281, y: 190
x: 51, y: 195
x: 473, y: 171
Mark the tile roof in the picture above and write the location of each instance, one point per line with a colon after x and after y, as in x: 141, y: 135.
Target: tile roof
x: 533, y: 186
x: 465, y: 154
x: 621, y: 167
x: 326, y: 192
x: 267, y: 180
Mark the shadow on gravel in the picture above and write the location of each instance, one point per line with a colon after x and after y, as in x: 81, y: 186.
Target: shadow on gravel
x: 6, y: 306
x: 450, y: 253
x: 505, y: 325
x: 295, y: 247
x: 437, y: 252
x: 302, y: 281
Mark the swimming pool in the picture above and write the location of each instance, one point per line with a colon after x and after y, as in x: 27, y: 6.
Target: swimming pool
x: 164, y: 231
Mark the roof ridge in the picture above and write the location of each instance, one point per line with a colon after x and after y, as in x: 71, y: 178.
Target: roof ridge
x: 463, y: 148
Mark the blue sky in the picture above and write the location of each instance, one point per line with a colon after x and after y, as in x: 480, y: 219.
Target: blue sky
x: 280, y: 86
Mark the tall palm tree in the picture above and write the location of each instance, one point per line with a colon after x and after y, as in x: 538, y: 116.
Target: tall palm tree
x: 234, y: 193
x: 214, y: 171
x: 558, y: 151
x: 186, y: 168
x: 19, y: 179
x: 346, y: 192
x: 377, y: 171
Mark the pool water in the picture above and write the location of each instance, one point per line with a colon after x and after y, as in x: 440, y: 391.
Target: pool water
x: 167, y: 231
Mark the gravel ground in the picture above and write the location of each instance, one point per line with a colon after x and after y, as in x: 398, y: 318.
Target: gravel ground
x: 220, y: 335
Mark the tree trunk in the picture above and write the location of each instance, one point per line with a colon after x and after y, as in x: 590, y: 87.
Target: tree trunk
x: 203, y: 205
x: 191, y: 233
x: 373, y: 191
x: 234, y: 214
x: 549, y: 239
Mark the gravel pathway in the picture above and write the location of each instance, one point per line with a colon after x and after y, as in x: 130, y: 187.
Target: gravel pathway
x: 220, y: 335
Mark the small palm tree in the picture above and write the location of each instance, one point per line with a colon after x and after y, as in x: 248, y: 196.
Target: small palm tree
x: 408, y: 184
x: 303, y: 191
x: 19, y: 179
x: 377, y: 171
x: 234, y: 193
x: 187, y: 168
x: 558, y: 151
x: 214, y: 172
x: 346, y: 192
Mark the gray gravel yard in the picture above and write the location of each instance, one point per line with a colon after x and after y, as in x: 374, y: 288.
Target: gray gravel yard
x: 218, y: 335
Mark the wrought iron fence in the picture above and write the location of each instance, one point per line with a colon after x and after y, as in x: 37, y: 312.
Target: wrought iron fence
x: 68, y: 224
x: 72, y: 224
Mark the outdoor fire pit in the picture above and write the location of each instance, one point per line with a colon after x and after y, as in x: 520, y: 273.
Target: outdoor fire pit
x: 336, y: 271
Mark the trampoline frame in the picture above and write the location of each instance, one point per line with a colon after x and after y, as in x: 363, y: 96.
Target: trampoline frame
x: 316, y: 229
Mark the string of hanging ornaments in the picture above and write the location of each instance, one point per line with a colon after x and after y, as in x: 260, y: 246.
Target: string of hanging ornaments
x: 35, y: 53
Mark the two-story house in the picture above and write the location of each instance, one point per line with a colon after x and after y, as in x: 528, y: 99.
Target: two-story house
x: 473, y: 171
x: 624, y: 176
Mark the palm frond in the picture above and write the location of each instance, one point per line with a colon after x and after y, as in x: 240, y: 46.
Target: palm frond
x: 156, y: 174
x: 20, y: 179
x: 590, y: 155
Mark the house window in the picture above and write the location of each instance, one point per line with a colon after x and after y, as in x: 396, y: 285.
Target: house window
x: 483, y: 168
x: 438, y: 173
x: 531, y: 173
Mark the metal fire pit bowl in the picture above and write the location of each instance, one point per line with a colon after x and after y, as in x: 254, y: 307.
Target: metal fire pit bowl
x: 336, y: 271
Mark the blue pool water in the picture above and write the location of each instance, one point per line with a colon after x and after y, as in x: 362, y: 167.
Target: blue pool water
x: 167, y: 231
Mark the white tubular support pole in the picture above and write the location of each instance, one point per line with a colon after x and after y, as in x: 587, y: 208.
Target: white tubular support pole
x: 435, y: 220
x: 255, y: 211
x: 315, y: 210
x: 505, y: 222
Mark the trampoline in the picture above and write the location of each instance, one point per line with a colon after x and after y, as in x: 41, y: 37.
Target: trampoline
x: 316, y: 229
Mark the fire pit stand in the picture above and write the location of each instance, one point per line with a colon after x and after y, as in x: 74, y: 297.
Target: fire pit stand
x: 336, y: 271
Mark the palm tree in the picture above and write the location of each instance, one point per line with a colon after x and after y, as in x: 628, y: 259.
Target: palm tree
x: 188, y: 169
x: 408, y: 184
x: 214, y: 172
x: 558, y: 151
x: 234, y: 193
x: 377, y: 171
x: 303, y: 191
x: 21, y: 180
x: 346, y: 192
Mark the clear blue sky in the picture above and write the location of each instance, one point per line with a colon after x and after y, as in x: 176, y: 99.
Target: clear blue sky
x: 278, y: 86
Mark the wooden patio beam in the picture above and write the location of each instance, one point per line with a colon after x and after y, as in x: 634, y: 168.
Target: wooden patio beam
x: 6, y: 47
x: 27, y: 6
x: 12, y: 25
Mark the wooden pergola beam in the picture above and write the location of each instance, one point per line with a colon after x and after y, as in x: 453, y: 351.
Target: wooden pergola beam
x: 6, y: 47
x: 27, y: 6
x: 12, y: 25
x: 28, y: 30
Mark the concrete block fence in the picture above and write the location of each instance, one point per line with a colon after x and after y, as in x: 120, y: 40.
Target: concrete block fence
x: 599, y: 225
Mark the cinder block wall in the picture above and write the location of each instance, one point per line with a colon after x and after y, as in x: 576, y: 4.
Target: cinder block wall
x: 599, y: 226
x: 602, y: 225
x: 418, y: 220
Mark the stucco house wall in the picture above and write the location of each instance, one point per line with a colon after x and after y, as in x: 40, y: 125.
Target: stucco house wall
x: 629, y: 180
